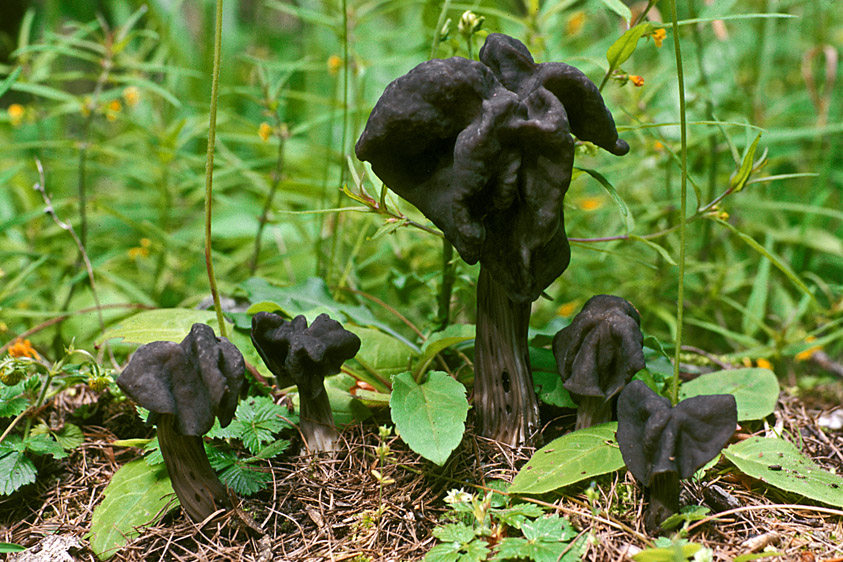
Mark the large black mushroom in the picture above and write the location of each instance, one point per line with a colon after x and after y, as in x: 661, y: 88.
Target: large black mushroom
x: 184, y: 386
x: 304, y: 356
x: 597, y: 354
x: 484, y: 150
x: 661, y: 444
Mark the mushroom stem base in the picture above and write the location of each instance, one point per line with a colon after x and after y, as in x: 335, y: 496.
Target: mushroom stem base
x: 593, y: 410
x: 504, y: 397
x: 196, y: 484
x: 664, y: 500
x: 317, y: 423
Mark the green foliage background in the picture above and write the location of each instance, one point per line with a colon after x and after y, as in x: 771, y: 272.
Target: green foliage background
x: 312, y: 71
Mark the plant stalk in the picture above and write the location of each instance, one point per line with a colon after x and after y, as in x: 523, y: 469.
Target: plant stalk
x: 209, y: 170
x: 680, y: 76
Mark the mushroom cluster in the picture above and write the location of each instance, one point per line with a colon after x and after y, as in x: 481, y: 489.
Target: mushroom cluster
x: 484, y: 150
x: 662, y: 444
x: 597, y: 355
x: 184, y: 386
x: 305, y: 356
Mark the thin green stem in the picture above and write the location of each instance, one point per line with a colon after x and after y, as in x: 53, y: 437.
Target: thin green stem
x: 437, y: 33
x: 209, y: 169
x: 680, y: 76
x: 638, y: 20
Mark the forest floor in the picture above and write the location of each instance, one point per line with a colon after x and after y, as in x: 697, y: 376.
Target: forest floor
x: 320, y: 509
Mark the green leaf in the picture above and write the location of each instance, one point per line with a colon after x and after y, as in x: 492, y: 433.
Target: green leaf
x: 662, y: 251
x: 755, y: 390
x: 440, y: 341
x: 9, y: 80
x: 623, y: 209
x: 16, y: 468
x: 381, y: 356
x: 549, y: 389
x: 6, y: 547
x: 448, y: 552
x: 69, y: 437
x: 255, y: 423
x: 738, y: 180
x: 136, y: 495
x: 780, y: 464
x: 756, y: 304
x: 676, y: 553
x: 244, y: 480
x: 273, y: 449
x: 619, y: 8
x: 577, y: 456
x: 345, y: 407
x: 623, y: 48
x: 44, y: 444
x: 454, y: 532
x: 163, y: 324
x: 429, y: 417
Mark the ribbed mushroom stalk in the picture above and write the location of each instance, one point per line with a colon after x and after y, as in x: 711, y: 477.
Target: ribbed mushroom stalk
x: 662, y: 445
x: 305, y: 356
x: 184, y: 386
x: 484, y: 150
x: 597, y: 354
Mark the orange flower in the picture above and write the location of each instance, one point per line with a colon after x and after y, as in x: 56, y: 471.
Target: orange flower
x: 764, y: 364
x: 334, y: 64
x: 636, y: 80
x: 265, y: 131
x: 568, y: 309
x: 658, y: 146
x: 141, y: 251
x: 591, y: 203
x: 659, y: 36
x: 808, y: 353
x: 131, y: 95
x: 16, y: 112
x: 23, y: 348
x: 575, y: 23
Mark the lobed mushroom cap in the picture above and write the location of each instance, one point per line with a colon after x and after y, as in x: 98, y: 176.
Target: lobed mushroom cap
x: 656, y: 438
x: 194, y: 380
x: 305, y: 354
x: 600, y: 351
x: 484, y: 150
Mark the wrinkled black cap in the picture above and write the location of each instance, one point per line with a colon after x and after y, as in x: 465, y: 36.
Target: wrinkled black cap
x: 600, y: 351
x: 484, y: 150
x: 304, y: 354
x: 194, y: 380
x: 655, y: 438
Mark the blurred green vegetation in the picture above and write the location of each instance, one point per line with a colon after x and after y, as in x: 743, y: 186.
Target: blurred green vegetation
x: 112, y: 97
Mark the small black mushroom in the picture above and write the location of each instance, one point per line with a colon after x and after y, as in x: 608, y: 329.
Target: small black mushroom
x: 597, y: 354
x: 484, y: 150
x: 306, y: 355
x: 661, y: 444
x: 184, y: 386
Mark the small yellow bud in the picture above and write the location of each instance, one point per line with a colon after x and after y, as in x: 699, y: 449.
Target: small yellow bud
x: 575, y: 23
x: 131, y: 95
x: 591, y: 203
x: 636, y: 80
x: 334, y: 64
x: 723, y: 215
x: 265, y: 131
x: 568, y: 309
x: 16, y: 113
x: 764, y: 364
x: 659, y: 36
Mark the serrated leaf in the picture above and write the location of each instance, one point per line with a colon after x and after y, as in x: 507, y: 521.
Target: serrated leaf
x: 163, y: 324
x: 244, y: 480
x: 44, y: 444
x: 256, y: 421
x: 623, y: 48
x: 69, y: 437
x: 448, y: 552
x: 779, y: 463
x: 756, y: 390
x: 516, y: 515
x: 454, y: 532
x: 136, y: 494
x: 16, y: 468
x: 738, y: 181
x: 273, y: 449
x: 429, y: 417
x: 12, y: 407
x: 577, y: 456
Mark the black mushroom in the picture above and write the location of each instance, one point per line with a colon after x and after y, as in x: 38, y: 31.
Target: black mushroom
x: 184, y: 386
x: 597, y: 355
x: 661, y: 444
x: 305, y: 356
x: 484, y: 150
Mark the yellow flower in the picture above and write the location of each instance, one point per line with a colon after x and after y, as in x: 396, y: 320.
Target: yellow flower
x: 723, y: 215
x: 131, y: 95
x: 591, y: 203
x: 568, y: 309
x: 141, y: 251
x: 575, y: 23
x: 16, y: 112
x: 23, y: 348
x: 658, y: 146
x: 264, y: 131
x: 334, y: 64
x: 764, y: 364
x: 113, y: 108
x: 808, y: 353
x: 659, y: 36
x: 636, y: 80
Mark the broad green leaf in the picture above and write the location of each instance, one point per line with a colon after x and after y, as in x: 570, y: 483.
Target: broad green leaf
x: 136, y: 494
x: 780, y: 464
x: 381, y: 357
x: 755, y: 390
x: 16, y: 468
x: 163, y: 324
x: 345, y: 407
x: 623, y: 48
x: 70, y: 436
x: 429, y: 417
x: 546, y: 379
x: 738, y: 181
x: 9, y: 80
x: 440, y: 341
x: 619, y: 8
x: 577, y: 456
